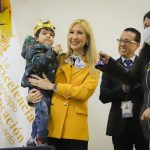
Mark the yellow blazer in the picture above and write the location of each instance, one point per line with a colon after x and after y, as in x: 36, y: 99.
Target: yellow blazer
x: 69, y: 112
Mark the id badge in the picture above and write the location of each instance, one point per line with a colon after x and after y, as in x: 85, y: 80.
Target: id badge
x: 127, y: 107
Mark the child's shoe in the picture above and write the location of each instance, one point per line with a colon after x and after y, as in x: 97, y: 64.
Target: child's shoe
x: 40, y: 142
x: 31, y: 142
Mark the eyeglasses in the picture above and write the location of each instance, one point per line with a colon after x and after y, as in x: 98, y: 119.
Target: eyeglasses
x: 126, y: 41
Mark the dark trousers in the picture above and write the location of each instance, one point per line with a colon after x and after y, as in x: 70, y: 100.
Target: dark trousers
x: 68, y: 144
x: 131, y: 137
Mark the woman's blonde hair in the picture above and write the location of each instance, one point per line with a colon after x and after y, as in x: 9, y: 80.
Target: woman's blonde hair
x: 90, y: 47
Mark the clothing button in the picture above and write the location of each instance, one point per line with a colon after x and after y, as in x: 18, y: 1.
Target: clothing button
x: 52, y: 103
x: 66, y: 95
x: 65, y: 104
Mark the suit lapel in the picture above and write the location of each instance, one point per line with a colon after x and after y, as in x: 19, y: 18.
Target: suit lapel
x: 120, y: 61
x: 66, y: 68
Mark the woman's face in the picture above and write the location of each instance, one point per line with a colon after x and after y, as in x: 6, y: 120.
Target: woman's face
x: 77, y: 38
x: 146, y: 22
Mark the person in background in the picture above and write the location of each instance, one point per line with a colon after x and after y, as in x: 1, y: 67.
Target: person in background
x: 138, y: 75
x: 124, y: 117
x: 146, y: 20
x: 76, y: 80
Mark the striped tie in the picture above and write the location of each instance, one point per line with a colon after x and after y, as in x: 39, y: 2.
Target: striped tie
x: 127, y: 63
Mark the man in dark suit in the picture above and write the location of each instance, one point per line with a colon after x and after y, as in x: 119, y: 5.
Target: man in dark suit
x: 124, y: 117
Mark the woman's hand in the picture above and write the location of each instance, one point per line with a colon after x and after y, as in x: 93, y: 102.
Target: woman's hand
x: 146, y: 114
x: 34, y: 96
x: 104, y: 57
x: 42, y: 83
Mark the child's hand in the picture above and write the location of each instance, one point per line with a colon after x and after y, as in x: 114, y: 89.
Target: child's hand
x: 58, y: 49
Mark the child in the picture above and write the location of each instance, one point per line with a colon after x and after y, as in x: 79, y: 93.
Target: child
x: 40, y: 58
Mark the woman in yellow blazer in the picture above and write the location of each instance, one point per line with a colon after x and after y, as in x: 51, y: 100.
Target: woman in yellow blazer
x: 76, y: 80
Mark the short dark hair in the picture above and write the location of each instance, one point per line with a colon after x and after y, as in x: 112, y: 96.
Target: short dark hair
x: 45, y: 28
x: 147, y: 15
x: 136, y: 32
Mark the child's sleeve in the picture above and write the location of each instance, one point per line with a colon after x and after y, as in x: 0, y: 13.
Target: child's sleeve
x: 28, y: 42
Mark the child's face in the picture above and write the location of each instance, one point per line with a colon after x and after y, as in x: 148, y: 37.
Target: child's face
x: 45, y: 37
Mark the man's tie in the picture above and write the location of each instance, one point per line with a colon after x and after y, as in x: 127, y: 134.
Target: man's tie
x: 127, y: 63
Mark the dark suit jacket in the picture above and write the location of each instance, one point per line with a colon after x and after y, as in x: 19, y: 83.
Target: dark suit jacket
x: 111, y: 91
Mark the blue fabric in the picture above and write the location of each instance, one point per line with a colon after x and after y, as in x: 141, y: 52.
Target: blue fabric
x: 40, y: 124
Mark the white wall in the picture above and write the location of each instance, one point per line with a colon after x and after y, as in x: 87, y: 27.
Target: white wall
x: 107, y: 17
